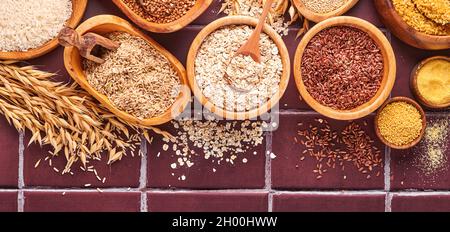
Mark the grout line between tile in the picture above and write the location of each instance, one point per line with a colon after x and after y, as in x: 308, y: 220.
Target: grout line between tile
x: 387, y: 169
x: 20, y: 180
x: 268, y: 171
x: 143, y: 170
x: 388, y: 206
x: 143, y: 175
x: 144, y: 206
x: 20, y: 201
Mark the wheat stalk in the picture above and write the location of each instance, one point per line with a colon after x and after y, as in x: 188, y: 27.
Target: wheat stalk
x: 64, y: 117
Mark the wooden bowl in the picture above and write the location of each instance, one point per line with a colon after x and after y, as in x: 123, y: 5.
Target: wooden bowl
x: 415, y: 88
x: 78, y: 9
x: 198, y: 9
x: 196, y: 44
x: 424, y: 123
x: 388, y: 77
x: 406, y: 33
x: 317, y: 17
x: 104, y: 24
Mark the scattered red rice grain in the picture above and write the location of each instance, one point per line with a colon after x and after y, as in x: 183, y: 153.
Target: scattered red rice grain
x: 350, y: 146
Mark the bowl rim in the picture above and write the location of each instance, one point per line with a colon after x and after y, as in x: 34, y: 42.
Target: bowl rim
x: 318, y: 17
x: 422, y: 131
x: 199, y: 8
x: 101, y: 20
x: 52, y: 44
x: 403, y: 27
x: 415, y: 88
x: 230, y: 21
x: 389, y: 69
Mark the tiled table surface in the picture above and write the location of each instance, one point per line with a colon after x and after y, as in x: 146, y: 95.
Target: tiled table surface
x: 282, y: 184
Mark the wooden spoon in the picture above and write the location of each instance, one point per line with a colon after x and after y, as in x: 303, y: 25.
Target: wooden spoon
x: 251, y: 47
x: 86, y: 43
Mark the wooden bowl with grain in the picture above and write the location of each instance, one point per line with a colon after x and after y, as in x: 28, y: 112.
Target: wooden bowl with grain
x: 318, y: 17
x: 232, y: 21
x: 104, y: 24
x: 415, y: 87
x: 422, y: 132
x: 387, y: 82
x: 198, y: 9
x: 406, y: 33
x: 78, y: 9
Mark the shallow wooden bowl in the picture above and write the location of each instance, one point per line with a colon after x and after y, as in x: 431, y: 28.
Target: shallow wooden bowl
x: 104, y: 24
x: 415, y: 88
x: 388, y: 77
x: 78, y: 9
x: 317, y: 17
x: 198, y: 9
x: 424, y: 123
x: 196, y: 44
x: 406, y: 33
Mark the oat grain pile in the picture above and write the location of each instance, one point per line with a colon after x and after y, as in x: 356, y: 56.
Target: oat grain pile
x: 323, y: 6
x: 212, y: 60
x: 26, y: 24
x: 136, y: 77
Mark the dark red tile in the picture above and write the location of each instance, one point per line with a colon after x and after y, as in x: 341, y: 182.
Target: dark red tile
x: 342, y: 202
x: 407, y: 57
x: 9, y: 154
x: 290, y: 172
x: 366, y: 10
x: 291, y: 98
x: 207, y: 202
x: 201, y: 174
x: 408, y: 167
x: 421, y: 203
x: 124, y: 173
x: 8, y: 201
x: 58, y: 201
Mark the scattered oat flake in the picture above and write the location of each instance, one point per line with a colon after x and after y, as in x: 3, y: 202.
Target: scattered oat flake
x: 173, y: 166
x: 87, y: 185
x: 37, y: 163
x: 272, y: 155
x: 244, y: 160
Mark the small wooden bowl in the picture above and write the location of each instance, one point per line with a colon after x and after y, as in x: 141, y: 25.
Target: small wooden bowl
x: 415, y: 88
x: 406, y: 33
x: 196, y: 44
x: 424, y: 123
x: 104, y: 24
x: 78, y: 9
x: 388, y: 77
x: 317, y: 17
x: 198, y: 9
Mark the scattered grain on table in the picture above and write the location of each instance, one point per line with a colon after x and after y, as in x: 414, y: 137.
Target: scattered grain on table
x: 333, y: 149
x: 431, y: 155
x: 219, y: 143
